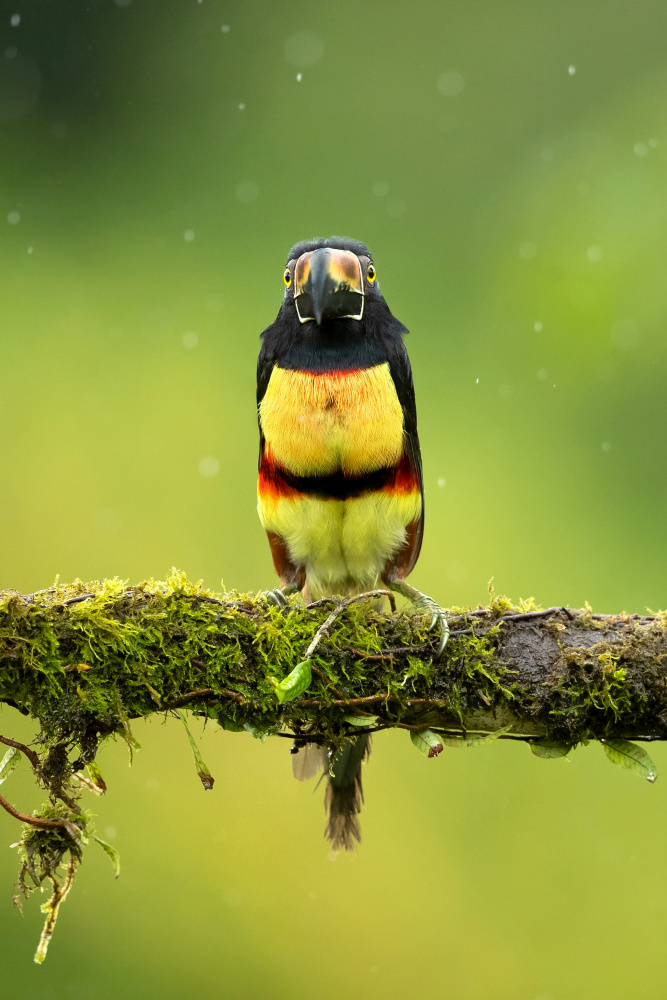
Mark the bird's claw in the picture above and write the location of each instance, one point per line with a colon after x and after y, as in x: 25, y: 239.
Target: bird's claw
x: 278, y: 596
x: 438, y: 616
x: 426, y: 604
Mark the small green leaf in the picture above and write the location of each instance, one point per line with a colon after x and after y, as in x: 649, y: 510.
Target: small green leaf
x: 9, y: 762
x: 549, y: 749
x: 427, y: 742
x: 111, y: 851
x: 361, y: 720
x: 296, y: 682
x: 203, y: 772
x: 630, y: 756
x: 231, y: 726
x: 257, y: 732
x: 96, y: 776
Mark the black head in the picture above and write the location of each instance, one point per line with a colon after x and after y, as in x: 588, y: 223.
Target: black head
x: 330, y: 279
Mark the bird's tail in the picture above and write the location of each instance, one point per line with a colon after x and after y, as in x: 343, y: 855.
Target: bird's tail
x: 344, y: 795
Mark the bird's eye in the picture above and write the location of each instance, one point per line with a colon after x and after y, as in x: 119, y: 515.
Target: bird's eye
x: 287, y: 276
x: 370, y: 274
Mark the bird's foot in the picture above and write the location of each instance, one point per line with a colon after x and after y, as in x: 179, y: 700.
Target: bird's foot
x: 278, y: 596
x: 426, y: 604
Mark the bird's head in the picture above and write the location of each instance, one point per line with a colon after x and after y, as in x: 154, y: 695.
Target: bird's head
x: 330, y: 279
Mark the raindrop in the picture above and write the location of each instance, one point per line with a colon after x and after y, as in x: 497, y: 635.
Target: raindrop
x: 594, y: 253
x: 527, y: 251
x: 450, y: 84
x: 303, y: 49
x: 29, y: 249
x: 225, y: 29
x: 538, y: 327
x: 640, y: 149
x: 13, y: 218
x: 299, y: 77
x: 241, y: 107
x: 15, y: 20
x: 11, y: 52
x: 189, y: 235
x: 606, y: 446
x: 122, y: 3
x: 441, y: 481
x: 110, y: 832
x: 247, y: 191
x: 476, y: 381
x: 190, y: 339
x: 209, y: 466
x: 380, y: 189
x: 542, y: 374
x: 572, y: 70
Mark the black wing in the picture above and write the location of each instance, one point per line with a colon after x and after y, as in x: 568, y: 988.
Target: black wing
x: 401, y: 373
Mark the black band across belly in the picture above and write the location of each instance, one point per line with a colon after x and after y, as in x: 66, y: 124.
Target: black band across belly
x: 338, y: 486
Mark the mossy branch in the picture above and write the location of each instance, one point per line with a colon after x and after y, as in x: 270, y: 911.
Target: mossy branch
x: 85, y: 660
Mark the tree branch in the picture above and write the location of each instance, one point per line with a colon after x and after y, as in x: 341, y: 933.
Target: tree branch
x: 85, y: 659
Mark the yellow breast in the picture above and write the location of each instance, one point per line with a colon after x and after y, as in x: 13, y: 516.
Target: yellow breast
x: 320, y: 423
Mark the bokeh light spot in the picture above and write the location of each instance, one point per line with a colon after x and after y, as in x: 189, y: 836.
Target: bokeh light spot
x: 247, y: 192
x: 303, y: 49
x: 527, y: 250
x: 450, y: 84
x: 209, y: 466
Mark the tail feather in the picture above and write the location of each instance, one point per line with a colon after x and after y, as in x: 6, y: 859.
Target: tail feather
x: 308, y: 761
x: 344, y: 794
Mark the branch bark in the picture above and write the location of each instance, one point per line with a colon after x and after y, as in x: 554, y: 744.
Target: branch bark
x: 85, y: 659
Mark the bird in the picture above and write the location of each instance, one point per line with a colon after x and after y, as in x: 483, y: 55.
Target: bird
x: 340, y: 486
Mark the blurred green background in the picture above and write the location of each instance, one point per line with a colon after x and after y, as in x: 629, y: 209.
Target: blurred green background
x: 506, y: 165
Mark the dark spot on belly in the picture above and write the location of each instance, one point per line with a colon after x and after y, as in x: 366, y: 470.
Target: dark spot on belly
x: 330, y: 403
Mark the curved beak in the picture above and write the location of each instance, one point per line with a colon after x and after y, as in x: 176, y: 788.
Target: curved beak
x: 328, y: 284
